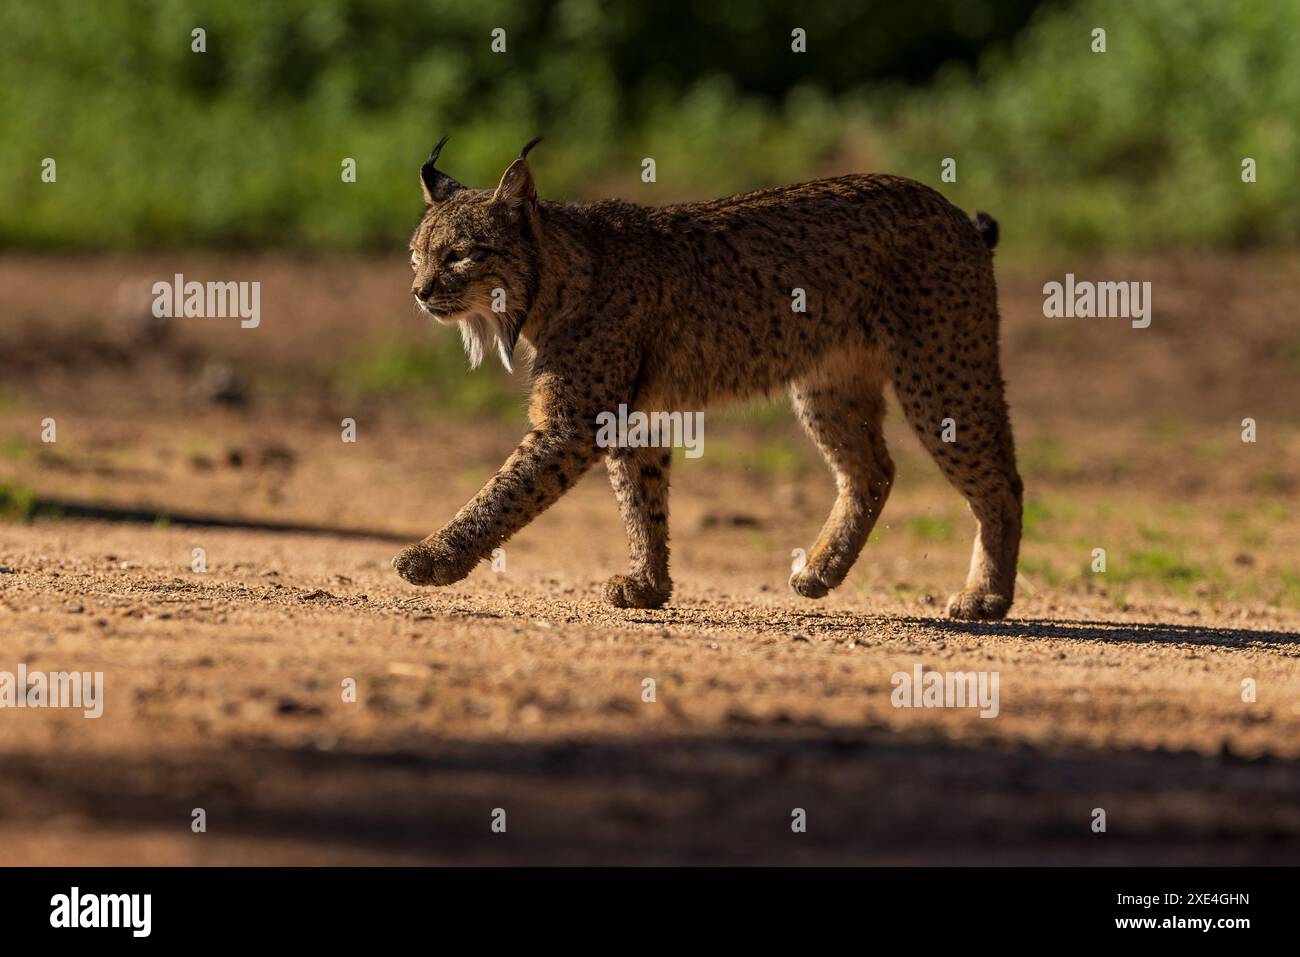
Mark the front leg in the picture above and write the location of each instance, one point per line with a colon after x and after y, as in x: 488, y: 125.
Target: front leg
x: 640, y: 480
x: 549, y: 460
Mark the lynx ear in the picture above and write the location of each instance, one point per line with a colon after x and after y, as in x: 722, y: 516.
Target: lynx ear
x: 436, y: 185
x: 517, y: 184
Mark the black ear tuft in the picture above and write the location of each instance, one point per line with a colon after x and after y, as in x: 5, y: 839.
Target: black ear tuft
x: 437, y: 151
x: 523, y: 153
x: 437, y: 185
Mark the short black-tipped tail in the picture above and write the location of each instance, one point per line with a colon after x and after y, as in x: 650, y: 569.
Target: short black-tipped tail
x: 987, y: 227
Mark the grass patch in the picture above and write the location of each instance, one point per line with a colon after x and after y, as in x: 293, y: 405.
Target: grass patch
x: 1046, y: 456
x: 777, y: 457
x: 17, y: 503
x: 1155, y: 550
x: 1241, y: 525
x: 773, y: 456
x: 762, y: 415
x: 1253, y: 539
x: 15, y: 449
x: 1152, y: 534
x: 1209, y: 452
x: 437, y: 369
x: 1032, y: 517
x: 1287, y: 593
x: 1273, y: 482
x: 1165, y: 566
x: 932, y: 528
x: 1041, y: 572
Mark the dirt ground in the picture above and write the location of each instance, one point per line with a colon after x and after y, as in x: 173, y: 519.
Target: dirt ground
x: 1124, y: 690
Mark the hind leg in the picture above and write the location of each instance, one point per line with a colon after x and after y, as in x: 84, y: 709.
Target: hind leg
x: 954, y: 400
x: 842, y: 410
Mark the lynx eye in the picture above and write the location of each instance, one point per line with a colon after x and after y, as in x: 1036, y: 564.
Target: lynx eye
x: 462, y: 254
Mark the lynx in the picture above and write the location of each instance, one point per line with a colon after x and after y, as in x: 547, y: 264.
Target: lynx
x: 683, y: 307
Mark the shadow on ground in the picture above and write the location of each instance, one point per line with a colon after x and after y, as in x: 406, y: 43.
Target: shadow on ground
x: 689, y: 800
x: 847, y: 624
x: 60, y: 508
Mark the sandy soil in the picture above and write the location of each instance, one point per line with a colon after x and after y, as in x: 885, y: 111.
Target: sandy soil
x: 519, y: 690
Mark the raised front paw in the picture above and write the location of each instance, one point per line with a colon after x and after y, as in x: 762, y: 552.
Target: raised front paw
x: 431, y: 563
x: 624, y: 592
x: 808, y: 583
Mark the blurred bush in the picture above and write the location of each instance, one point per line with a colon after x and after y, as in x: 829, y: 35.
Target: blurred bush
x: 242, y: 145
x: 1139, y: 146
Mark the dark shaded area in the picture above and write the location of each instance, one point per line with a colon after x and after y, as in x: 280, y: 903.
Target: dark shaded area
x: 869, y: 798
x: 60, y: 508
x: 1125, y: 632
x: 849, y: 626
x: 669, y: 44
x: 849, y: 44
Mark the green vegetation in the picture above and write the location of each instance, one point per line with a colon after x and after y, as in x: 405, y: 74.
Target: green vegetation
x: 1160, y: 551
x: 17, y: 449
x: 17, y: 503
x: 1040, y: 571
x: 1287, y: 593
x: 1273, y: 482
x: 1033, y: 515
x: 1166, y: 566
x: 1139, y: 146
x: 436, y: 370
x: 243, y: 145
x: 770, y: 456
x: 1047, y: 457
x: 931, y: 528
x: 763, y: 416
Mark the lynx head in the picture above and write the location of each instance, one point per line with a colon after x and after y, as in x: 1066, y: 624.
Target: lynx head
x: 475, y: 255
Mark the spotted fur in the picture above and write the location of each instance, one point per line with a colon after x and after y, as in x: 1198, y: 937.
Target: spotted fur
x: 684, y: 307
